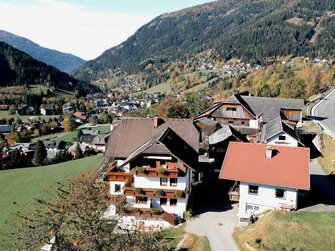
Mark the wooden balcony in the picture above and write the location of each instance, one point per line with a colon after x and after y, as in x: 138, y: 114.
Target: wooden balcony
x: 234, y: 192
x: 148, y: 213
x: 118, y: 176
x: 155, y: 193
x: 157, y: 172
x: 112, y: 165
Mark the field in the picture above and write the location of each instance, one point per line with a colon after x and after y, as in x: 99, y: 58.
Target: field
x: 289, y: 231
x: 23, y: 185
x: 5, y: 115
x: 162, y: 88
x: 58, y: 93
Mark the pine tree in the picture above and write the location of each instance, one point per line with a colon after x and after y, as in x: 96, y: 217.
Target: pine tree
x: 40, y: 153
x: 15, y: 158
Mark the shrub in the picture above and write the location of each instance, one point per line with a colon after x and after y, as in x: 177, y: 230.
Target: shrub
x: 188, y: 214
x: 156, y: 211
x: 138, y: 190
x: 140, y: 169
x: 161, y: 171
x: 179, y: 193
x: 159, y: 192
x: 135, y: 210
x: 124, y: 210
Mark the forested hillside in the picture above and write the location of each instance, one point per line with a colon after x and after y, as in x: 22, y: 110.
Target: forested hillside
x: 62, y: 61
x: 253, y: 31
x: 18, y: 68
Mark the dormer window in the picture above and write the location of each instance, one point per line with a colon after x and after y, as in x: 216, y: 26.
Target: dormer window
x: 231, y: 109
x: 282, y: 137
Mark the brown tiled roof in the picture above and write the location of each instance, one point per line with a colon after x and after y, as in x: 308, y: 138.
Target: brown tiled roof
x: 289, y: 167
x: 133, y: 132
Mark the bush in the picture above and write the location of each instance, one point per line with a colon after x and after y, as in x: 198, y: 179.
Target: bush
x: 156, y: 211
x: 138, y: 190
x: 135, y: 210
x: 124, y: 210
x: 188, y: 214
x: 179, y: 193
x: 140, y: 169
x: 159, y: 192
x: 161, y: 171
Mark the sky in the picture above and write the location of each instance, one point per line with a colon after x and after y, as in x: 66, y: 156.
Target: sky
x: 85, y: 28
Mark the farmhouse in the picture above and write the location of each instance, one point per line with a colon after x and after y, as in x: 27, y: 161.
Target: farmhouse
x: 268, y: 177
x: 155, y: 168
x: 244, y: 110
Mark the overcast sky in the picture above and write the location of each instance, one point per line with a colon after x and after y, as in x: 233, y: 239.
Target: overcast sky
x: 84, y: 28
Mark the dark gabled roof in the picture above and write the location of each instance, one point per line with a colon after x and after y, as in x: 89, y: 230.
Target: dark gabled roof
x: 168, y: 142
x: 49, y: 107
x: 6, y: 128
x: 265, y: 107
x: 100, y: 139
x: 270, y: 108
x: 87, y: 138
x: 53, y: 144
x: 276, y: 126
x: 132, y: 133
x: 225, y: 132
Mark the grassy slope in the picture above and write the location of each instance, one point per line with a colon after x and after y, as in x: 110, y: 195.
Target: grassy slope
x: 25, y: 184
x: 162, y: 88
x: 291, y: 231
x: 5, y: 114
x: 328, y: 160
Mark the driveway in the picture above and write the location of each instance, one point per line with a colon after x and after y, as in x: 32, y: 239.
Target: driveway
x: 215, y: 216
x: 217, y: 226
x: 322, y: 195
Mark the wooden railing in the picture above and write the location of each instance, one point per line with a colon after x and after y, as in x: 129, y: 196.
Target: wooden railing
x: 148, y: 213
x: 155, y: 193
x: 156, y: 172
x: 118, y: 176
x: 234, y: 192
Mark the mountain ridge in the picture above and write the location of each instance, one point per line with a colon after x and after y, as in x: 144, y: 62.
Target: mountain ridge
x: 65, y: 62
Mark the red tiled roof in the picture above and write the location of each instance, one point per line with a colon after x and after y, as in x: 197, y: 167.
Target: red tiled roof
x: 289, y: 167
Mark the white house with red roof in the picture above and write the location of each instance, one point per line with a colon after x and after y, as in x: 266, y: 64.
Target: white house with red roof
x: 267, y: 176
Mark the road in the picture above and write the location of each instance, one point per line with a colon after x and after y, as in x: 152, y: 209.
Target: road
x: 324, y: 113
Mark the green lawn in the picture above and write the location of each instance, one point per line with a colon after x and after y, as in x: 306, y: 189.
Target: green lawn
x: 5, y: 115
x: 64, y: 136
x: 23, y: 185
x: 162, y: 88
x: 289, y: 231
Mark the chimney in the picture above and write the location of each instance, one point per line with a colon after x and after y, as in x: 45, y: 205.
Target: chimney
x: 155, y: 125
x: 268, y: 152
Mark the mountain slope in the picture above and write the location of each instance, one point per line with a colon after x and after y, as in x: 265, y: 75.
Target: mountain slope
x: 18, y: 68
x: 62, y: 61
x: 253, y: 31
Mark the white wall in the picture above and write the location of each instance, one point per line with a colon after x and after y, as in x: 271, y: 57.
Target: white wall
x: 112, y: 187
x: 179, y: 209
x: 266, y: 198
x: 126, y: 168
x: 132, y: 223
x: 253, y: 123
x: 154, y: 183
x: 289, y: 141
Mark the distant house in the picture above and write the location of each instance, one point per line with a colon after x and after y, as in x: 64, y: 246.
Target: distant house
x: 53, y: 147
x: 278, y: 132
x: 86, y: 151
x: 99, y: 142
x: 267, y: 177
x: 5, y: 129
x: 47, y: 109
x: 68, y: 108
x: 80, y: 117
x: 155, y: 167
x: 249, y: 111
x: 219, y: 141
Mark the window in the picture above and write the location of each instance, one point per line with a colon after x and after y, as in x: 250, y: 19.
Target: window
x: 282, y: 137
x: 231, y: 109
x: 253, y: 190
x: 251, y: 209
x: 173, y: 202
x: 163, y: 201
x: 163, y: 181
x: 280, y: 193
x: 173, y: 182
x: 117, y: 188
x: 141, y: 200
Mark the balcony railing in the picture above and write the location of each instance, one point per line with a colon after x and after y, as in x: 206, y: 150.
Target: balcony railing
x: 155, y: 193
x: 118, y: 176
x: 156, y: 172
x: 148, y: 213
x: 234, y: 192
